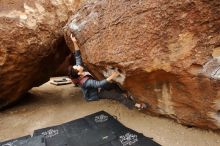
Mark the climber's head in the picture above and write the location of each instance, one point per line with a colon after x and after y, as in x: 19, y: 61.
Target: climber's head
x: 72, y: 73
x: 75, y: 71
x: 78, y: 68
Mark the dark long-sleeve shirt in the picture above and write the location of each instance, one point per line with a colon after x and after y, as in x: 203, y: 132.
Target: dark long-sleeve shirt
x: 90, y: 86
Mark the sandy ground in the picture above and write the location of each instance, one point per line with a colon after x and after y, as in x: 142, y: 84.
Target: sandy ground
x: 49, y: 105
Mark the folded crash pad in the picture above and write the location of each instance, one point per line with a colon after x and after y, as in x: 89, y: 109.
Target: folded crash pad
x: 60, y: 81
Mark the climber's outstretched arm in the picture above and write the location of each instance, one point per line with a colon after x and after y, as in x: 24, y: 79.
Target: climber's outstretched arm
x: 77, y: 52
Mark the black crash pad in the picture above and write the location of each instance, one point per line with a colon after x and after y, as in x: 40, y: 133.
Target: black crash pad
x: 14, y: 142
x: 36, y: 141
x: 26, y: 141
x: 99, y: 129
x: 54, y: 136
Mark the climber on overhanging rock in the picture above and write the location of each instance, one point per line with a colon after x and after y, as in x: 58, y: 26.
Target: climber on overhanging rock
x: 93, y: 89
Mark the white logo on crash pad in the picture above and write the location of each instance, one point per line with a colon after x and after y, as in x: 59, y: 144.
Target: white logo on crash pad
x: 101, y: 118
x: 50, y: 133
x: 128, y: 139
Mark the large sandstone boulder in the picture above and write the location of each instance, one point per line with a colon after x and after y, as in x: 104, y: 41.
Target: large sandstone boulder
x: 31, y: 43
x: 167, y: 51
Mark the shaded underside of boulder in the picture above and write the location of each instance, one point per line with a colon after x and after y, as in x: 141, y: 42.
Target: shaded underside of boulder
x: 32, y: 44
x: 166, y: 50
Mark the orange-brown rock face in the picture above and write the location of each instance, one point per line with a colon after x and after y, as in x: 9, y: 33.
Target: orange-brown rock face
x: 167, y: 51
x: 31, y: 43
